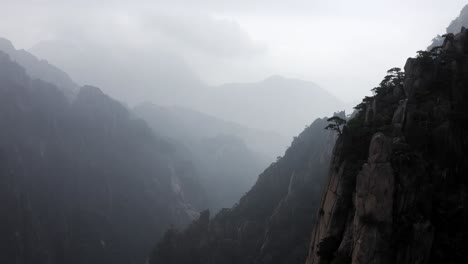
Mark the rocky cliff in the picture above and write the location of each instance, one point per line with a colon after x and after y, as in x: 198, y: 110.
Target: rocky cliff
x: 397, y: 185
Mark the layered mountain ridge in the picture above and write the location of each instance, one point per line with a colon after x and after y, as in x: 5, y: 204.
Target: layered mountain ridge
x: 396, y: 189
x: 271, y: 223
x: 82, y: 180
x: 228, y: 157
x: 189, y: 125
x: 133, y: 77
x: 268, y: 103
x: 40, y: 69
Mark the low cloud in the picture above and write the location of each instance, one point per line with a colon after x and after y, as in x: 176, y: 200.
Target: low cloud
x: 207, y: 35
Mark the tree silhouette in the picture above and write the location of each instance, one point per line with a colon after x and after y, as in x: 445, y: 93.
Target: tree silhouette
x: 336, y: 123
x: 395, y: 77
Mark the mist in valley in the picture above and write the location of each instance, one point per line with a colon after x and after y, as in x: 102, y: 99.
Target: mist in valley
x: 194, y: 131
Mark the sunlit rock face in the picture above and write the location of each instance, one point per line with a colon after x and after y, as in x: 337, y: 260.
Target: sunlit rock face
x: 397, y: 185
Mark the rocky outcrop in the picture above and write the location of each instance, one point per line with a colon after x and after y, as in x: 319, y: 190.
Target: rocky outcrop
x: 373, y: 201
x: 397, y: 186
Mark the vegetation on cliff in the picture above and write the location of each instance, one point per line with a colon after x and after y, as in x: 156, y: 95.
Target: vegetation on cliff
x: 397, y: 186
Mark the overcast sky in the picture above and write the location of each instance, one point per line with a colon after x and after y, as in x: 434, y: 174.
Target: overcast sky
x: 344, y: 46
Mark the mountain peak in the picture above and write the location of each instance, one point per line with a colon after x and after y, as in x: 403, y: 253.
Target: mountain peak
x: 89, y: 89
x: 6, y: 45
x: 39, y: 69
x: 275, y: 77
x: 280, y: 79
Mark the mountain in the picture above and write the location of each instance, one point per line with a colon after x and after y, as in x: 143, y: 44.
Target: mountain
x: 271, y: 223
x: 454, y: 27
x: 189, y: 125
x: 228, y: 156
x: 82, y: 180
x: 228, y: 169
x: 395, y: 190
x: 39, y: 69
x: 459, y: 22
x: 397, y: 185
x: 130, y: 75
x: 277, y: 104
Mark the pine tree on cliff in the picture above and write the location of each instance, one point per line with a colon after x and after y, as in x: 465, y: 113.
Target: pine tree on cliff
x: 336, y: 124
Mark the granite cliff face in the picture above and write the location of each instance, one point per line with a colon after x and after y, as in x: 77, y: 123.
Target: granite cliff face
x: 397, y: 186
x: 271, y: 223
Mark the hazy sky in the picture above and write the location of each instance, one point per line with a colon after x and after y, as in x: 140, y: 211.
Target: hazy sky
x: 344, y: 46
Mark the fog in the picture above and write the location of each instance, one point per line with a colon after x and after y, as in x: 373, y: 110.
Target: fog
x: 307, y: 39
x: 233, y: 131
x: 172, y: 52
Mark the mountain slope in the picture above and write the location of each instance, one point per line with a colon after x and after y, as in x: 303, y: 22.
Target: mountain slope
x: 459, y: 22
x: 228, y: 169
x: 276, y: 104
x: 229, y: 157
x: 398, y: 183
x: 39, y: 69
x: 131, y: 75
x: 189, y: 125
x: 271, y: 223
x: 454, y: 27
x: 82, y: 181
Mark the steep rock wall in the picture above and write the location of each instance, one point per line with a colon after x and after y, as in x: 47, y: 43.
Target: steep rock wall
x: 397, y: 186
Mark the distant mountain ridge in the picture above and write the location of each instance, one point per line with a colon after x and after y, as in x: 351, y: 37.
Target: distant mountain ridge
x: 454, y: 27
x: 129, y: 77
x: 184, y: 123
x: 228, y: 156
x: 277, y: 103
x: 39, y: 69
